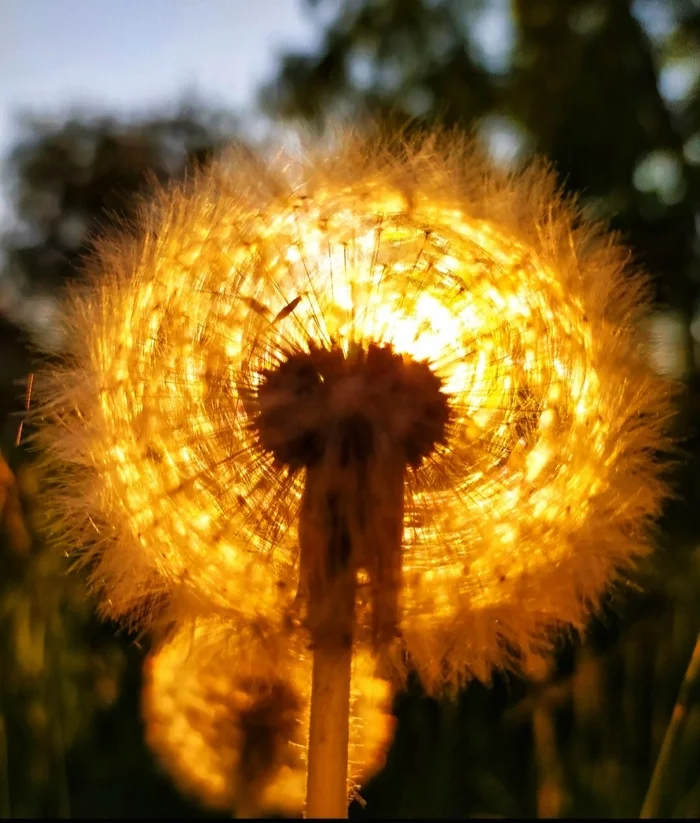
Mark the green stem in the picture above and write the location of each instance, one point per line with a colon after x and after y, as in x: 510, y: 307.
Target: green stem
x: 651, y: 807
x: 550, y: 780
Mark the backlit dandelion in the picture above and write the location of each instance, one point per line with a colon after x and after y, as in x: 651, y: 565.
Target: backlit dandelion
x: 395, y: 396
x: 231, y: 725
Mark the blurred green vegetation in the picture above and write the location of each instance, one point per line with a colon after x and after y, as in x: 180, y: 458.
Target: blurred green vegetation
x: 608, y: 89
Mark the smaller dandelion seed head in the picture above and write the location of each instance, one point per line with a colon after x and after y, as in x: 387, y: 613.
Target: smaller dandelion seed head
x: 230, y: 722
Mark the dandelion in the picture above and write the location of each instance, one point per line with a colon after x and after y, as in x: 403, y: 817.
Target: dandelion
x: 401, y: 397
x: 231, y: 726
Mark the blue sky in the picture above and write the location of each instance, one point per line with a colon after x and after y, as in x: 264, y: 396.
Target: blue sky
x: 126, y: 55
x: 128, y: 52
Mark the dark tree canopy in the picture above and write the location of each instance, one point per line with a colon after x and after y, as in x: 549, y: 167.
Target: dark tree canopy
x: 70, y: 178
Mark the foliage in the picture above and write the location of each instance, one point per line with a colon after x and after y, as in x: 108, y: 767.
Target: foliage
x: 72, y: 177
x: 59, y: 668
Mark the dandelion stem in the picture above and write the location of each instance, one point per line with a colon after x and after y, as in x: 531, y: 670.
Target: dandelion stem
x: 651, y: 807
x: 330, y: 540
x: 332, y: 613
x: 326, y: 788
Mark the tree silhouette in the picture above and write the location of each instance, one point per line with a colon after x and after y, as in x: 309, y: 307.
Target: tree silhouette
x: 71, y: 178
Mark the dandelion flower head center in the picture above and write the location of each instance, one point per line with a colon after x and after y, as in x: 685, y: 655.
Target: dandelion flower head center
x: 312, y: 396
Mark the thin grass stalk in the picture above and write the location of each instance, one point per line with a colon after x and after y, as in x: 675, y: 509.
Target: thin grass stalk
x: 663, y: 770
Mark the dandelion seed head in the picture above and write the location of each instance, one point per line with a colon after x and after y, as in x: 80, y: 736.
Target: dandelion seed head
x: 231, y: 726
x: 222, y: 342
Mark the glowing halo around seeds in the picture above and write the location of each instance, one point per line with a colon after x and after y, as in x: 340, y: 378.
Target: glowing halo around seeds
x: 539, y: 485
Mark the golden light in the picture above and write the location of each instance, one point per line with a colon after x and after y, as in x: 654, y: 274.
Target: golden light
x: 230, y: 724
x: 532, y: 481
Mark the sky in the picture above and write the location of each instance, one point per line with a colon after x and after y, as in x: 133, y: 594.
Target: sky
x: 130, y: 52
x: 130, y: 55
x: 127, y: 55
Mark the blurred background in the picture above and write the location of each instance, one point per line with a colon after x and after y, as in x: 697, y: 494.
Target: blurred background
x: 97, y: 100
